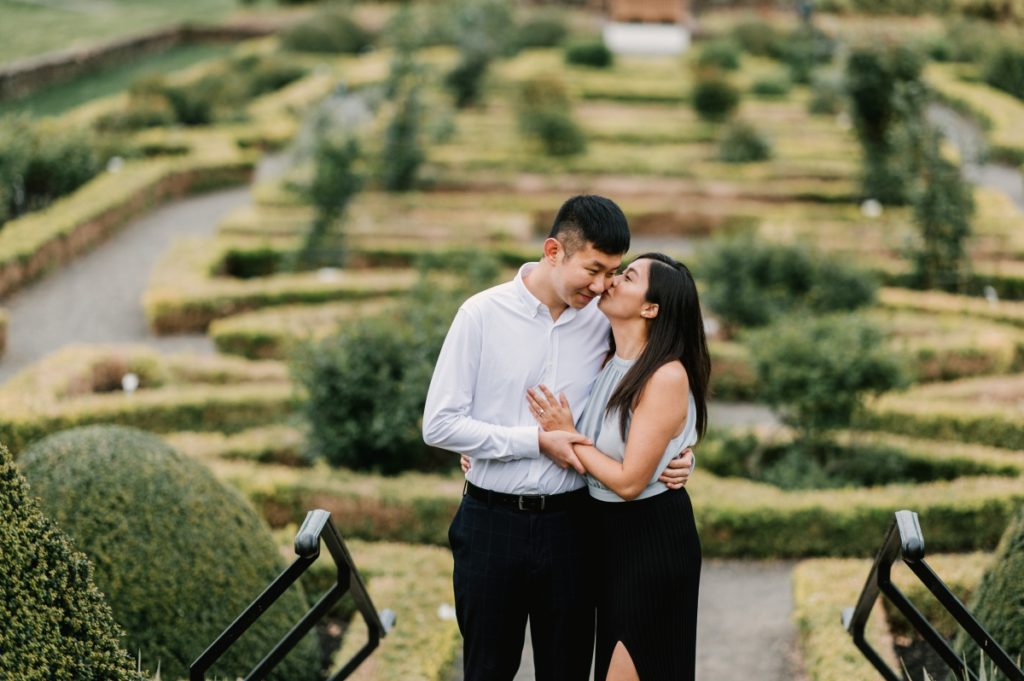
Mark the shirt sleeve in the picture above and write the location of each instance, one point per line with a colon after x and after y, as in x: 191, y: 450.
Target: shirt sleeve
x: 447, y: 420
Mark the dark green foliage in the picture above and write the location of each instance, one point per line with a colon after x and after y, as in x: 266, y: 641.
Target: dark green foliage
x: 756, y: 282
x: 177, y: 553
x: 543, y: 30
x: 887, y: 100
x: 403, y: 146
x: 998, y: 602
x: 56, y: 623
x: 545, y: 115
x: 720, y: 54
x: 759, y: 38
x: 336, y: 181
x: 479, y: 26
x: 830, y: 465
x: 965, y: 40
x: 772, y: 86
x: 591, y: 52
x: 466, y: 80
x: 367, y: 384
x: 40, y: 162
x: 741, y: 142
x: 1005, y: 70
x: 804, y: 49
x: 714, y: 98
x: 331, y: 31
x: 942, y: 214
x: 816, y: 372
x: 266, y: 74
x: 246, y: 263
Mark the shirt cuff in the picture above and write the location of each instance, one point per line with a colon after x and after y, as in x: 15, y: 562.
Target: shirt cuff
x: 525, y: 442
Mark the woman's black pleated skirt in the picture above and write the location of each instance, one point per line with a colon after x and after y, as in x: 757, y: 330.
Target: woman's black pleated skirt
x: 648, y: 558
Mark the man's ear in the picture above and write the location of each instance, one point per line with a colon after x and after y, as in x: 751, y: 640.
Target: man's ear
x: 553, y: 250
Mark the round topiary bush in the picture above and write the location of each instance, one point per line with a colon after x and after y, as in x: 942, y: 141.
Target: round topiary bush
x: 330, y: 31
x: 56, y: 623
x: 741, y: 142
x: 591, y: 53
x: 723, y: 54
x: 178, y: 554
x: 714, y: 98
x: 998, y: 603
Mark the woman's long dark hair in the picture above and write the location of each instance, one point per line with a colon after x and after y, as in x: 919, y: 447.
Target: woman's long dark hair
x: 675, y: 333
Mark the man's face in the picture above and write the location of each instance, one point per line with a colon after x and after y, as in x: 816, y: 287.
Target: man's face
x: 584, y: 275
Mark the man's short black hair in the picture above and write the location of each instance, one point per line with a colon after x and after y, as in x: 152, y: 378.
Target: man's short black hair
x: 594, y: 219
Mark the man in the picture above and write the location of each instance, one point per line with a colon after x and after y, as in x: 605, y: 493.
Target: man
x: 519, y: 538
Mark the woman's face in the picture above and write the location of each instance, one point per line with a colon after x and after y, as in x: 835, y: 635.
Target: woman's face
x: 626, y: 298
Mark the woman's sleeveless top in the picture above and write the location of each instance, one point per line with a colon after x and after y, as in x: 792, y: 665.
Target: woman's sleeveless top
x: 603, y: 429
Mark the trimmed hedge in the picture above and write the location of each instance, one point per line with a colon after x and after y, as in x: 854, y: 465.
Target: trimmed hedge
x: 178, y: 553
x: 737, y: 518
x: 56, y: 621
x: 938, y: 302
x: 183, y: 296
x: 982, y: 410
x: 280, y: 444
x: 79, y: 386
x: 823, y: 588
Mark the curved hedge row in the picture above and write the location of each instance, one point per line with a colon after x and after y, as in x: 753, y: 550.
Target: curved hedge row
x: 80, y: 386
x: 56, y: 622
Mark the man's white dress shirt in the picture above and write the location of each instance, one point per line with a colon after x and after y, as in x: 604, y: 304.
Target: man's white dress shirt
x: 501, y: 342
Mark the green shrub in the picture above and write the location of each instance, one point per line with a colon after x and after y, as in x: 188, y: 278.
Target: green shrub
x: 466, y: 80
x: 544, y: 114
x: 804, y: 49
x: 714, y: 98
x: 545, y: 30
x: 367, y: 384
x: 335, y: 182
x: 721, y: 54
x: 56, y: 622
x: 1005, y: 70
x: 756, y: 282
x: 593, y: 53
x: 177, y: 553
x: 998, y: 603
x: 758, y: 38
x: 817, y: 372
x: 772, y: 86
x: 268, y: 74
x: 403, y: 144
x: 741, y: 142
x: 329, y: 31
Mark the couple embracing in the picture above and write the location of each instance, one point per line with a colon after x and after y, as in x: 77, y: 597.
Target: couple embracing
x: 573, y: 393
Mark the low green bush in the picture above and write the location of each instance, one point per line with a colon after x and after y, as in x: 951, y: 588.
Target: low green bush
x: 772, y: 87
x: 367, y: 384
x: 755, y: 281
x: 714, y: 98
x: 827, y: 96
x: 1005, y: 70
x: 57, y: 623
x: 758, y: 38
x: 593, y: 53
x: 545, y: 114
x: 466, y: 80
x: 720, y: 54
x: 804, y: 49
x: 544, y: 30
x: 996, y: 603
x: 330, y: 31
x: 741, y: 142
x: 177, y: 553
x: 404, y: 152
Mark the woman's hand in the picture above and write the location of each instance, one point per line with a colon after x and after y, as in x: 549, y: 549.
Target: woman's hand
x: 552, y: 413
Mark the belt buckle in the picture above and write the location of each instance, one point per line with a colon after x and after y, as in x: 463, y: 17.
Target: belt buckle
x: 523, y: 497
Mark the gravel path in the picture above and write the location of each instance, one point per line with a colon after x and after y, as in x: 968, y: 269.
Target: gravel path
x: 97, y: 298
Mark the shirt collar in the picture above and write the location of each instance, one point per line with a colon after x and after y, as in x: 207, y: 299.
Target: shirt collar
x: 531, y: 304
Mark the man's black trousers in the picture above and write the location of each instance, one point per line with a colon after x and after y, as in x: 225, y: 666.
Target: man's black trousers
x: 511, y: 565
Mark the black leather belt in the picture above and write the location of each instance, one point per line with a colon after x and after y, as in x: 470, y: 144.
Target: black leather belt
x: 527, y: 502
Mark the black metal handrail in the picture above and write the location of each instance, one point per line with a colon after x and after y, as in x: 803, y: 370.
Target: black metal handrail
x: 904, y: 540
x: 316, y: 526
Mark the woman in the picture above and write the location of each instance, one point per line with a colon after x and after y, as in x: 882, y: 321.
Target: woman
x: 648, y: 403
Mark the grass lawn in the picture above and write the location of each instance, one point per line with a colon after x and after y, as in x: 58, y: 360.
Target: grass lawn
x: 62, y: 97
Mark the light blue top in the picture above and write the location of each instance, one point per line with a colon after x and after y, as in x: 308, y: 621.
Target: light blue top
x: 603, y: 429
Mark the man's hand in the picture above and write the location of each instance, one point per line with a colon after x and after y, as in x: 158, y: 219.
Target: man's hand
x: 557, y: 446
x: 678, y: 472
x: 465, y: 463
